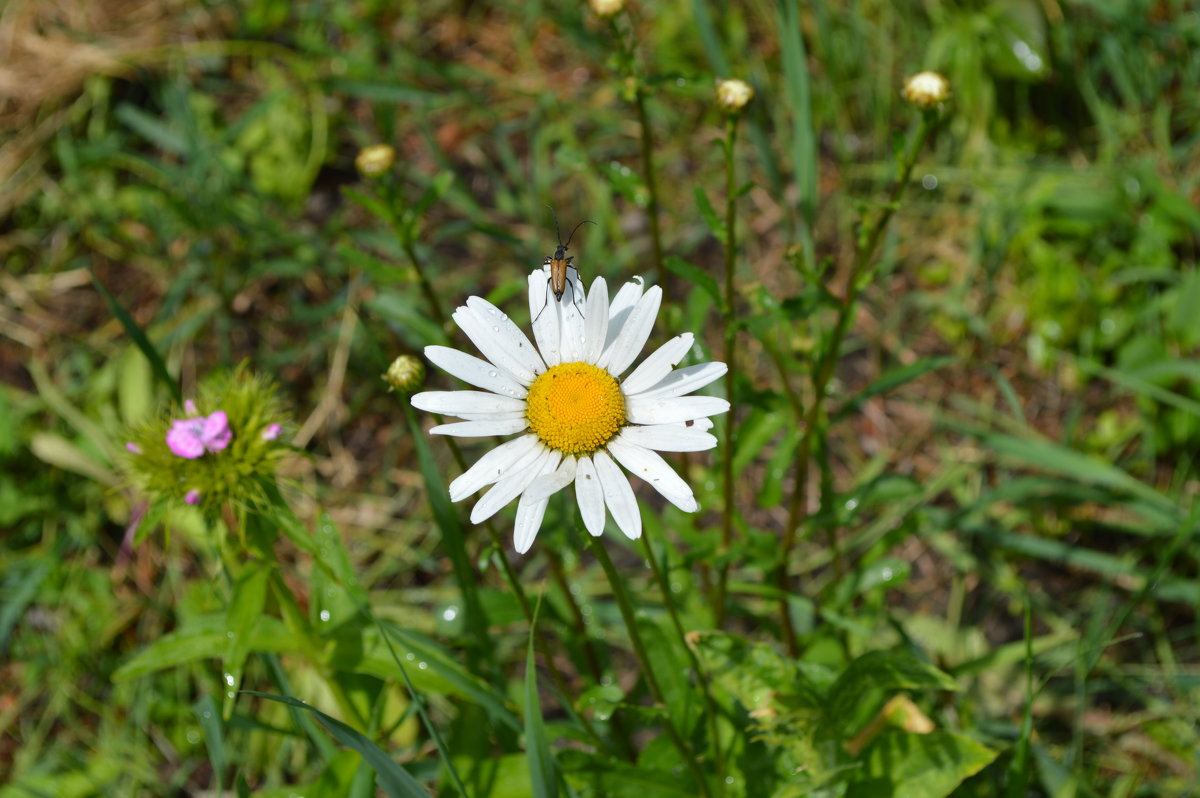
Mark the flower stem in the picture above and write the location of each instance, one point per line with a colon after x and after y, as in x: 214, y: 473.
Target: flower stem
x: 639, y: 649
x: 865, y: 251
x: 710, y: 707
x: 652, y: 205
x: 731, y: 363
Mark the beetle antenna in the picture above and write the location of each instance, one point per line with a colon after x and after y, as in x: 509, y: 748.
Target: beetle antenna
x: 554, y: 216
x: 581, y: 224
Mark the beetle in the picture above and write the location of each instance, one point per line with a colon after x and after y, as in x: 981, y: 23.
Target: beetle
x: 557, y: 263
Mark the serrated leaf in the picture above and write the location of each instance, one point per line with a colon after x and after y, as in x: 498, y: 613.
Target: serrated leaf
x: 902, y: 765
x: 882, y: 670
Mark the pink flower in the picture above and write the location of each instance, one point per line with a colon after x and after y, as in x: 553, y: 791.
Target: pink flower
x: 271, y: 432
x: 130, y: 446
x: 192, y: 496
x: 192, y: 437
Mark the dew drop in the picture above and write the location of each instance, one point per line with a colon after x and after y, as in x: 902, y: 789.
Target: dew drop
x: 229, y: 680
x: 450, y: 613
x: 410, y: 656
x: 325, y: 616
x: 422, y: 665
x: 493, y: 374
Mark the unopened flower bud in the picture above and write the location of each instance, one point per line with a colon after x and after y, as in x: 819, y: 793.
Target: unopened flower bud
x: 406, y: 374
x: 375, y: 160
x: 192, y: 496
x: 606, y: 9
x: 733, y: 95
x: 925, y: 90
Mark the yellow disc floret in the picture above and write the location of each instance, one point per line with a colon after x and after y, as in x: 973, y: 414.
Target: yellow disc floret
x: 575, y: 408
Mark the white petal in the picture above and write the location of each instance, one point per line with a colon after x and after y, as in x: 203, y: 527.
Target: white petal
x: 639, y: 410
x: 474, y: 371
x: 634, y: 332
x: 510, y: 416
x: 571, y: 310
x: 655, y: 368
x: 512, y: 485
x: 458, y: 402
x: 487, y: 339
x: 623, y: 303
x: 618, y: 495
x: 653, y: 469
x: 547, y: 485
x: 595, y: 324
x: 492, y: 466
x: 529, y: 520
x: 669, y: 438
x: 481, y: 429
x: 590, y: 496
x: 684, y: 380
x: 544, y: 314
x: 507, y: 331
x: 701, y: 424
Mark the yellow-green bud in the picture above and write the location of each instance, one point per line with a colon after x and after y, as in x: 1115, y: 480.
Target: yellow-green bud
x: 375, y: 160
x: 606, y: 9
x: 406, y: 374
x: 926, y: 90
x: 733, y: 95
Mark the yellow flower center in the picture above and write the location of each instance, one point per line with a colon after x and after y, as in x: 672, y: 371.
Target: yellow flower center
x: 575, y: 408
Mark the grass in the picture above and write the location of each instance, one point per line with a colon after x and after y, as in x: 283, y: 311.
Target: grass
x: 955, y: 551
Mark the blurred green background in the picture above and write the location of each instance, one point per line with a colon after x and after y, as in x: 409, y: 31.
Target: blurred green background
x: 194, y: 157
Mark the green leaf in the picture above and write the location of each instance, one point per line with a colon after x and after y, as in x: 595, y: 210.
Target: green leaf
x: 882, y: 670
x: 452, y: 535
x: 152, y: 129
x: 902, y: 765
x: 245, y: 609
x: 394, y: 779
x: 437, y: 189
x: 615, y: 779
x: 134, y: 331
x: 890, y: 380
x: 696, y: 276
x: 537, y: 746
x: 201, y: 639
x: 205, y: 711
x: 705, y: 206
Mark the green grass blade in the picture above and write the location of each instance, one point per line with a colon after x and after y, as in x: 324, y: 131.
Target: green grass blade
x: 210, y: 724
x: 394, y: 779
x: 537, y: 746
x: 798, y: 94
x: 139, y: 338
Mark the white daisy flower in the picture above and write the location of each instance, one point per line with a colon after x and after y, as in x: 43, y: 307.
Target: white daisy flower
x: 575, y: 415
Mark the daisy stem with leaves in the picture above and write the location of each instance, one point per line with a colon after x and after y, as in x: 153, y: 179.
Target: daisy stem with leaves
x: 867, y: 242
x: 639, y: 648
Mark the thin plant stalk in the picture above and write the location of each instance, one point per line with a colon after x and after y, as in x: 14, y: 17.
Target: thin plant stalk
x: 632, y: 74
x: 864, y: 254
x: 647, y: 667
x: 727, y: 486
x: 710, y: 706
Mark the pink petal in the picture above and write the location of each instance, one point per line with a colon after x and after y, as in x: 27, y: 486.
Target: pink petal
x: 216, y: 433
x: 189, y: 407
x: 183, y: 442
x: 130, y: 446
x: 192, y: 496
x: 271, y: 432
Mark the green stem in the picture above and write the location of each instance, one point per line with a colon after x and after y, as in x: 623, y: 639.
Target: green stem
x: 647, y: 667
x: 825, y: 366
x: 731, y: 364
x: 652, y: 204
x: 710, y: 706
